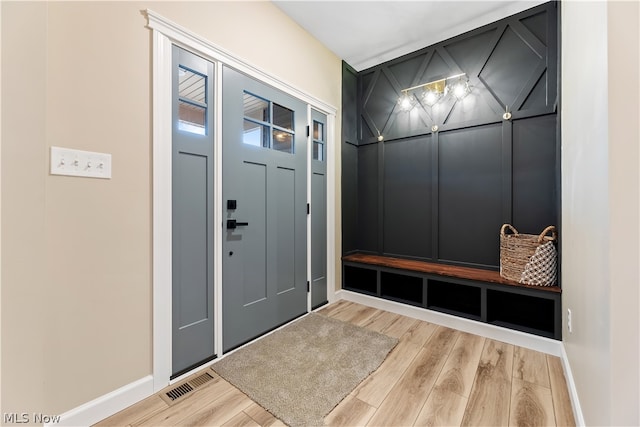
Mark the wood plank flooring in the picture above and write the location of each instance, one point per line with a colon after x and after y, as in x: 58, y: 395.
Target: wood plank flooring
x: 434, y: 376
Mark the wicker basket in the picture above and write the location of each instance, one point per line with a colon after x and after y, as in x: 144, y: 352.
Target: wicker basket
x: 527, y: 258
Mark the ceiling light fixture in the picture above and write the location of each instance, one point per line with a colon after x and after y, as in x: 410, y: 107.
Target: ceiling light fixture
x: 407, y: 101
x: 434, y: 91
x: 460, y: 89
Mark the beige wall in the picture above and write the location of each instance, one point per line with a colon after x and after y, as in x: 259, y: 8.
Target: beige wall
x: 624, y: 182
x: 24, y: 278
x: 76, y: 252
x: 0, y: 212
x: 600, y: 206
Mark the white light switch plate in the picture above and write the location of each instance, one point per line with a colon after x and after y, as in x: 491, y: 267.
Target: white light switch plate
x: 66, y: 161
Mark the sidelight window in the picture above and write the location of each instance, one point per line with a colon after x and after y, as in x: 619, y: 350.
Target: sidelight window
x: 192, y: 101
x: 318, y: 141
x: 267, y: 124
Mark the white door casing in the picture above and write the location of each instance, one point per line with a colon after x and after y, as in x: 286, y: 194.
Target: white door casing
x: 165, y: 34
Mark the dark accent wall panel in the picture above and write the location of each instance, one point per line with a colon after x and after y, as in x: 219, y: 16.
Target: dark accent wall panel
x: 470, y: 195
x: 368, y: 198
x: 349, y: 153
x: 445, y: 178
x: 534, y: 174
x: 467, y: 52
x: 349, y: 104
x: 510, y: 64
x: 407, y: 198
x: 349, y: 198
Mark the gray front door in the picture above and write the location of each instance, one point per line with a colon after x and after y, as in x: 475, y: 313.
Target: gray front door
x: 265, y: 207
x: 192, y: 212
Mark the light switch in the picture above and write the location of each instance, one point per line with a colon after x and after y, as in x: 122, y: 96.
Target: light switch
x: 67, y: 161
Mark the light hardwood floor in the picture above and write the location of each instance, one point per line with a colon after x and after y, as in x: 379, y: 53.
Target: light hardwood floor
x: 435, y: 376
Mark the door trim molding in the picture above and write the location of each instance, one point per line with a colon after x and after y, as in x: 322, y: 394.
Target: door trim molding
x: 162, y: 218
x: 166, y: 33
x: 213, y: 52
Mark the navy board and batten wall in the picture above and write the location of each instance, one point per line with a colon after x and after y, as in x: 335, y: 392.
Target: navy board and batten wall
x: 434, y: 185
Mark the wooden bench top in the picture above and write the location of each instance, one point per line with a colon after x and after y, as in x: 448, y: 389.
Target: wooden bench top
x: 442, y: 270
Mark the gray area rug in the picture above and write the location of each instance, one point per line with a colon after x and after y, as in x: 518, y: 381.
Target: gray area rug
x: 301, y: 372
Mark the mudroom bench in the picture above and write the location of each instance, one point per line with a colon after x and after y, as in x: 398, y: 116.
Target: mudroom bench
x: 474, y: 293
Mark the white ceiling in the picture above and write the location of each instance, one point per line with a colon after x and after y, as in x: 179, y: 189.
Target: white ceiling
x: 367, y: 33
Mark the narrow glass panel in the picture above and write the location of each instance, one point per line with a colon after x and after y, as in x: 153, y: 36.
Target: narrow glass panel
x: 318, y: 131
x: 192, y: 101
x: 282, y: 116
x: 192, y: 86
x: 256, y: 108
x: 255, y: 134
x: 282, y: 141
x: 318, y: 151
x: 192, y: 118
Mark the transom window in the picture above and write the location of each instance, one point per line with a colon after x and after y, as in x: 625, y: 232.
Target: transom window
x: 192, y: 101
x: 267, y: 124
x: 318, y: 141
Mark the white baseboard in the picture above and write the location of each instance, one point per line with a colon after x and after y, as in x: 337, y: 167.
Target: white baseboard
x: 510, y: 336
x: 573, y: 391
x: 108, y: 404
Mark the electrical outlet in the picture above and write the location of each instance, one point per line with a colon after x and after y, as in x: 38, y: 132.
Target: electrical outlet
x: 569, y: 325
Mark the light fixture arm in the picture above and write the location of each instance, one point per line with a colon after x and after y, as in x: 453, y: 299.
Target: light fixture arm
x: 433, y: 92
x: 405, y: 91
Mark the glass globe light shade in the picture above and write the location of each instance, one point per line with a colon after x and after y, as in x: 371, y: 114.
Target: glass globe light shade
x: 406, y: 102
x: 431, y: 97
x: 460, y: 89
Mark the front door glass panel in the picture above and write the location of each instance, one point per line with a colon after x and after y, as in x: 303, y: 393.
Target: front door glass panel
x: 268, y: 124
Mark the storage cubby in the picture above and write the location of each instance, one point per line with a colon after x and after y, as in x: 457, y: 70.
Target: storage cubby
x: 401, y: 287
x: 361, y: 279
x: 522, y: 312
x: 452, y: 298
x: 474, y: 293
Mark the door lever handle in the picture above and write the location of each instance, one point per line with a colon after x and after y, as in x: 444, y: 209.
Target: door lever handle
x: 232, y: 224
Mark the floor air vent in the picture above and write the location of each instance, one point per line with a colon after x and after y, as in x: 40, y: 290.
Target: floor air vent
x: 201, y: 380
x: 180, y: 390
